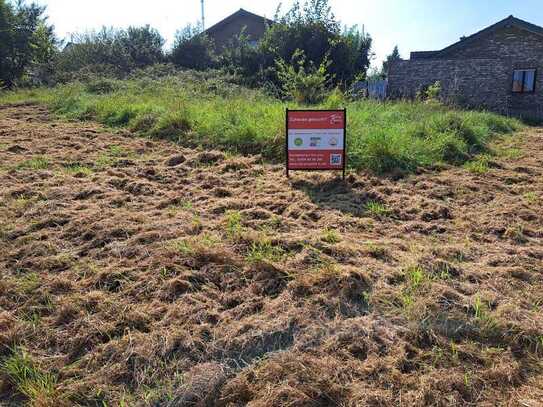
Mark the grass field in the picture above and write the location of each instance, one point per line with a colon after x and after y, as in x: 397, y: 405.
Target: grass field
x: 137, y: 272
x: 206, y: 110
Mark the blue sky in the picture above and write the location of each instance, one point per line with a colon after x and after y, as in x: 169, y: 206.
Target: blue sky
x: 412, y: 24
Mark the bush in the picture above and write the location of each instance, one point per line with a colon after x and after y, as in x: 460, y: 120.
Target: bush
x: 430, y: 93
x: 109, y: 52
x: 304, y: 85
x: 193, y: 49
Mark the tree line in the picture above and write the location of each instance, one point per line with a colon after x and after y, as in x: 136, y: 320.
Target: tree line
x: 305, y: 43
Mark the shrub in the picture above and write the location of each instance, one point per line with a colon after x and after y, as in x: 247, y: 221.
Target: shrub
x: 193, y: 49
x: 108, y: 52
x: 430, y: 93
x: 306, y: 86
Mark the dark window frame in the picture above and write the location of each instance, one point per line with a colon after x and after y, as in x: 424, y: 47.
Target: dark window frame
x: 523, y: 91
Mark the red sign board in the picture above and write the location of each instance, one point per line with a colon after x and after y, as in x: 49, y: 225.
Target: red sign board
x: 316, y: 140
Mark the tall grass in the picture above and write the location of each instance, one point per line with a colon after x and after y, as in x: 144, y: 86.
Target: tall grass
x: 212, y: 113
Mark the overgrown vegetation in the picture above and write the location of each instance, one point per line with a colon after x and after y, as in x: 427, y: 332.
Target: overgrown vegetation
x: 210, y: 110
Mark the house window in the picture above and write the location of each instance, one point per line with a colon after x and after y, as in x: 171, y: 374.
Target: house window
x: 524, y: 81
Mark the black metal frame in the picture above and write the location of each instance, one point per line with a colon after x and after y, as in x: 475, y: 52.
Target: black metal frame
x: 344, y: 140
x: 523, y: 92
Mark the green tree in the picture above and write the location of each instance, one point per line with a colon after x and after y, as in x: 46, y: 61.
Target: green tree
x: 96, y: 51
x: 313, y: 29
x: 144, y: 45
x: 26, y: 41
x: 390, y: 59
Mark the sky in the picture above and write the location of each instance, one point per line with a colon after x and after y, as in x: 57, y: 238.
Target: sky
x: 413, y: 25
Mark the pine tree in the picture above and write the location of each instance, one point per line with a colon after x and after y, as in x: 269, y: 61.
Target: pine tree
x: 395, y: 56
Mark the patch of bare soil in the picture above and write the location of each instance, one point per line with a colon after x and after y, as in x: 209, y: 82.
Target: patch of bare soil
x: 137, y: 271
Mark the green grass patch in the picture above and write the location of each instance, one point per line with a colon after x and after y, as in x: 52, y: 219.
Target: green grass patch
x: 206, y: 110
x: 37, y: 386
x: 480, y: 165
x: 377, y: 209
x: 531, y: 197
x: 264, y: 250
x: 234, y: 227
x: 77, y: 169
x: 331, y: 236
x: 35, y: 164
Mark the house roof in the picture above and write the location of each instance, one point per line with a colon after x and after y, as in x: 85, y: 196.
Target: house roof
x: 510, y: 21
x: 240, y: 13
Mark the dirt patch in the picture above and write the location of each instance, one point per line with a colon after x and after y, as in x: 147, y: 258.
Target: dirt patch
x: 140, y: 272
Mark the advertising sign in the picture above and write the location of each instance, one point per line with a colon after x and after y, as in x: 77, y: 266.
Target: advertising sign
x: 316, y: 140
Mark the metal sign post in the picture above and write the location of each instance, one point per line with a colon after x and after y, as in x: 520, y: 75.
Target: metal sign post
x: 316, y: 140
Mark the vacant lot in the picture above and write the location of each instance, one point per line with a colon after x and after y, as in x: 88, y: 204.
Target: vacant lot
x: 141, y: 272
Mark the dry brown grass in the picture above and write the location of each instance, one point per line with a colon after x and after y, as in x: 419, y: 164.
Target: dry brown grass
x: 149, y: 274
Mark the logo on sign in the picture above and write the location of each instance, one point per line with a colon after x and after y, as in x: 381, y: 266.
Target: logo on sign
x: 298, y: 142
x: 335, y: 119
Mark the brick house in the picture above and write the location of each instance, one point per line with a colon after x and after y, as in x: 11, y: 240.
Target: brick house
x: 254, y: 26
x: 497, y: 68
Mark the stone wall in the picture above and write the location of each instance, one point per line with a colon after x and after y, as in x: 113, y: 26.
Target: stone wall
x: 480, y: 75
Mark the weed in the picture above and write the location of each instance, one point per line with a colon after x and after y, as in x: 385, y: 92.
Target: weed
x: 190, y: 247
x: 481, y: 313
x: 28, y: 283
x: 184, y: 206
x: 479, y: 308
x: 264, y: 250
x: 478, y: 166
x: 454, y: 352
x: 78, y: 169
x: 274, y: 222
x: 234, y: 227
x: 184, y: 247
x: 511, y: 153
x: 377, y: 251
x: 331, y: 236
x: 30, y: 381
x: 437, y: 355
x: 531, y: 197
x: 22, y: 203
x: 516, y: 233
x: 111, y: 156
x: 377, y: 209
x: 36, y: 163
x: 467, y: 379
x: 415, y: 277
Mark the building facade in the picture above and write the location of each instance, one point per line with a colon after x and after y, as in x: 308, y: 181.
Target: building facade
x: 497, y: 68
